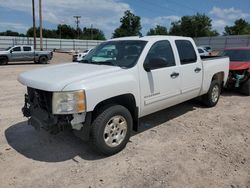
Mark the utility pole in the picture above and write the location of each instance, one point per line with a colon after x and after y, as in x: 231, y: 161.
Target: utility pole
x: 91, y: 31
x: 77, y: 23
x: 61, y: 23
x: 41, y: 24
x: 34, y: 24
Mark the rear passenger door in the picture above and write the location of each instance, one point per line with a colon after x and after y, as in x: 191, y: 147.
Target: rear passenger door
x: 190, y: 69
x: 28, y: 54
x: 160, y: 87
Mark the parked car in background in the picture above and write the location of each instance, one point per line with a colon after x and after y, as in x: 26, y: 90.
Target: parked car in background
x: 203, y: 52
x: 79, y: 56
x: 207, y: 48
x: 24, y: 53
x: 239, y: 70
x: 102, y: 97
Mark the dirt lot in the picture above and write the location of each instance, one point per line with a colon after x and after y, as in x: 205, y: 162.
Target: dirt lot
x: 184, y: 146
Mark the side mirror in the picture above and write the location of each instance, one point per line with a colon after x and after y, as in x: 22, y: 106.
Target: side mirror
x: 11, y: 51
x: 155, y: 63
x: 147, y: 67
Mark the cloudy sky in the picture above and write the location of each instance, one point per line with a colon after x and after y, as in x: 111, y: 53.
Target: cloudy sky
x: 105, y: 14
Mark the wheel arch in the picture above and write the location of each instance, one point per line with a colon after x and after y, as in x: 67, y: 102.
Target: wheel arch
x: 219, y: 76
x: 5, y: 56
x: 126, y: 100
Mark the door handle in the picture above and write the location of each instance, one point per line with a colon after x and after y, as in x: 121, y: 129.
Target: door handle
x: 197, y: 69
x: 174, y: 75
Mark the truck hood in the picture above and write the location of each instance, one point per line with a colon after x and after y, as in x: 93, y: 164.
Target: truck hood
x: 4, y: 52
x: 56, y: 77
x: 235, y: 65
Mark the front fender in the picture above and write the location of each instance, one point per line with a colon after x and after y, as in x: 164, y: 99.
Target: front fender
x: 105, y: 87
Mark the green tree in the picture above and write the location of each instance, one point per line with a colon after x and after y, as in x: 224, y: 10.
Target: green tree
x: 240, y: 27
x: 130, y: 26
x: 10, y: 33
x: 67, y: 32
x: 92, y: 33
x: 158, y: 30
x: 198, y: 25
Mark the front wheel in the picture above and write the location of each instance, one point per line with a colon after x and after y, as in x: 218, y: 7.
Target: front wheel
x: 43, y: 60
x: 3, y: 60
x: 212, y: 97
x: 111, y: 129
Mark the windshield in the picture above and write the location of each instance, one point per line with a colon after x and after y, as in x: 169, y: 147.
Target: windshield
x: 8, y: 48
x: 237, y: 55
x: 124, y: 53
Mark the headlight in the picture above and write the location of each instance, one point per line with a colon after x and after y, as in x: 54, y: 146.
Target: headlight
x: 68, y: 102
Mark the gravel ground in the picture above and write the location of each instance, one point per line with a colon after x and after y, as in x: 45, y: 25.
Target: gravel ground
x: 183, y: 146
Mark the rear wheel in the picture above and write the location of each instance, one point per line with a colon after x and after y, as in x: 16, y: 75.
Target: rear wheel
x: 212, y: 97
x: 111, y: 130
x: 43, y: 60
x: 3, y: 60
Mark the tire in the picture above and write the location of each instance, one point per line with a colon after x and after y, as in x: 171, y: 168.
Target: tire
x: 245, y: 88
x: 111, y: 130
x: 3, y: 60
x: 212, y: 97
x: 43, y: 60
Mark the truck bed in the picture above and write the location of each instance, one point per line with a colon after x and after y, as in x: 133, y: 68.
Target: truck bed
x: 211, y: 65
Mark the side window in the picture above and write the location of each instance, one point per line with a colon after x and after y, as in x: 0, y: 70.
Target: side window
x: 186, y: 51
x: 16, y: 49
x: 26, y: 48
x: 161, y: 50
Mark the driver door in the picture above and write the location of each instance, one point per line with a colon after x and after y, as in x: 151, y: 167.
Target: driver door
x: 16, y: 54
x: 160, y: 87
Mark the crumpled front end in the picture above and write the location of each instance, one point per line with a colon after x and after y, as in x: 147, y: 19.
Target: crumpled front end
x: 239, y: 73
x: 238, y: 77
x: 38, y: 108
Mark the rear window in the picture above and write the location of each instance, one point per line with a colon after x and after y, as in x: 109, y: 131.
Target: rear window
x: 26, y: 48
x: 186, y: 51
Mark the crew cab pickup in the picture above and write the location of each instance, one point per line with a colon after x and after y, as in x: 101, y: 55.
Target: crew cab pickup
x: 121, y: 80
x: 24, y: 53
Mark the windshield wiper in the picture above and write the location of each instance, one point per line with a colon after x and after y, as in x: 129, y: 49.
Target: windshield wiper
x: 103, y: 63
x: 86, y: 61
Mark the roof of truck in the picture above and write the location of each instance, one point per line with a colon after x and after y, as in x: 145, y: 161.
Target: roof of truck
x: 151, y: 38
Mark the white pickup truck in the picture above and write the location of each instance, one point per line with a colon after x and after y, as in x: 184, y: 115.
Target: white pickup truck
x: 121, y: 80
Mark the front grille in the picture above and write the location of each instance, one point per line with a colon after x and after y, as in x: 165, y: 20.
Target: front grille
x: 40, y: 98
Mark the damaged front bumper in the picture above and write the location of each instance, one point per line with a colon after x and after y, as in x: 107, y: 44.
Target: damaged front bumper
x: 237, y: 77
x: 38, y: 108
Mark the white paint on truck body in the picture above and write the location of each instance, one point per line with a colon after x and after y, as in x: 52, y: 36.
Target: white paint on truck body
x: 153, y: 91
